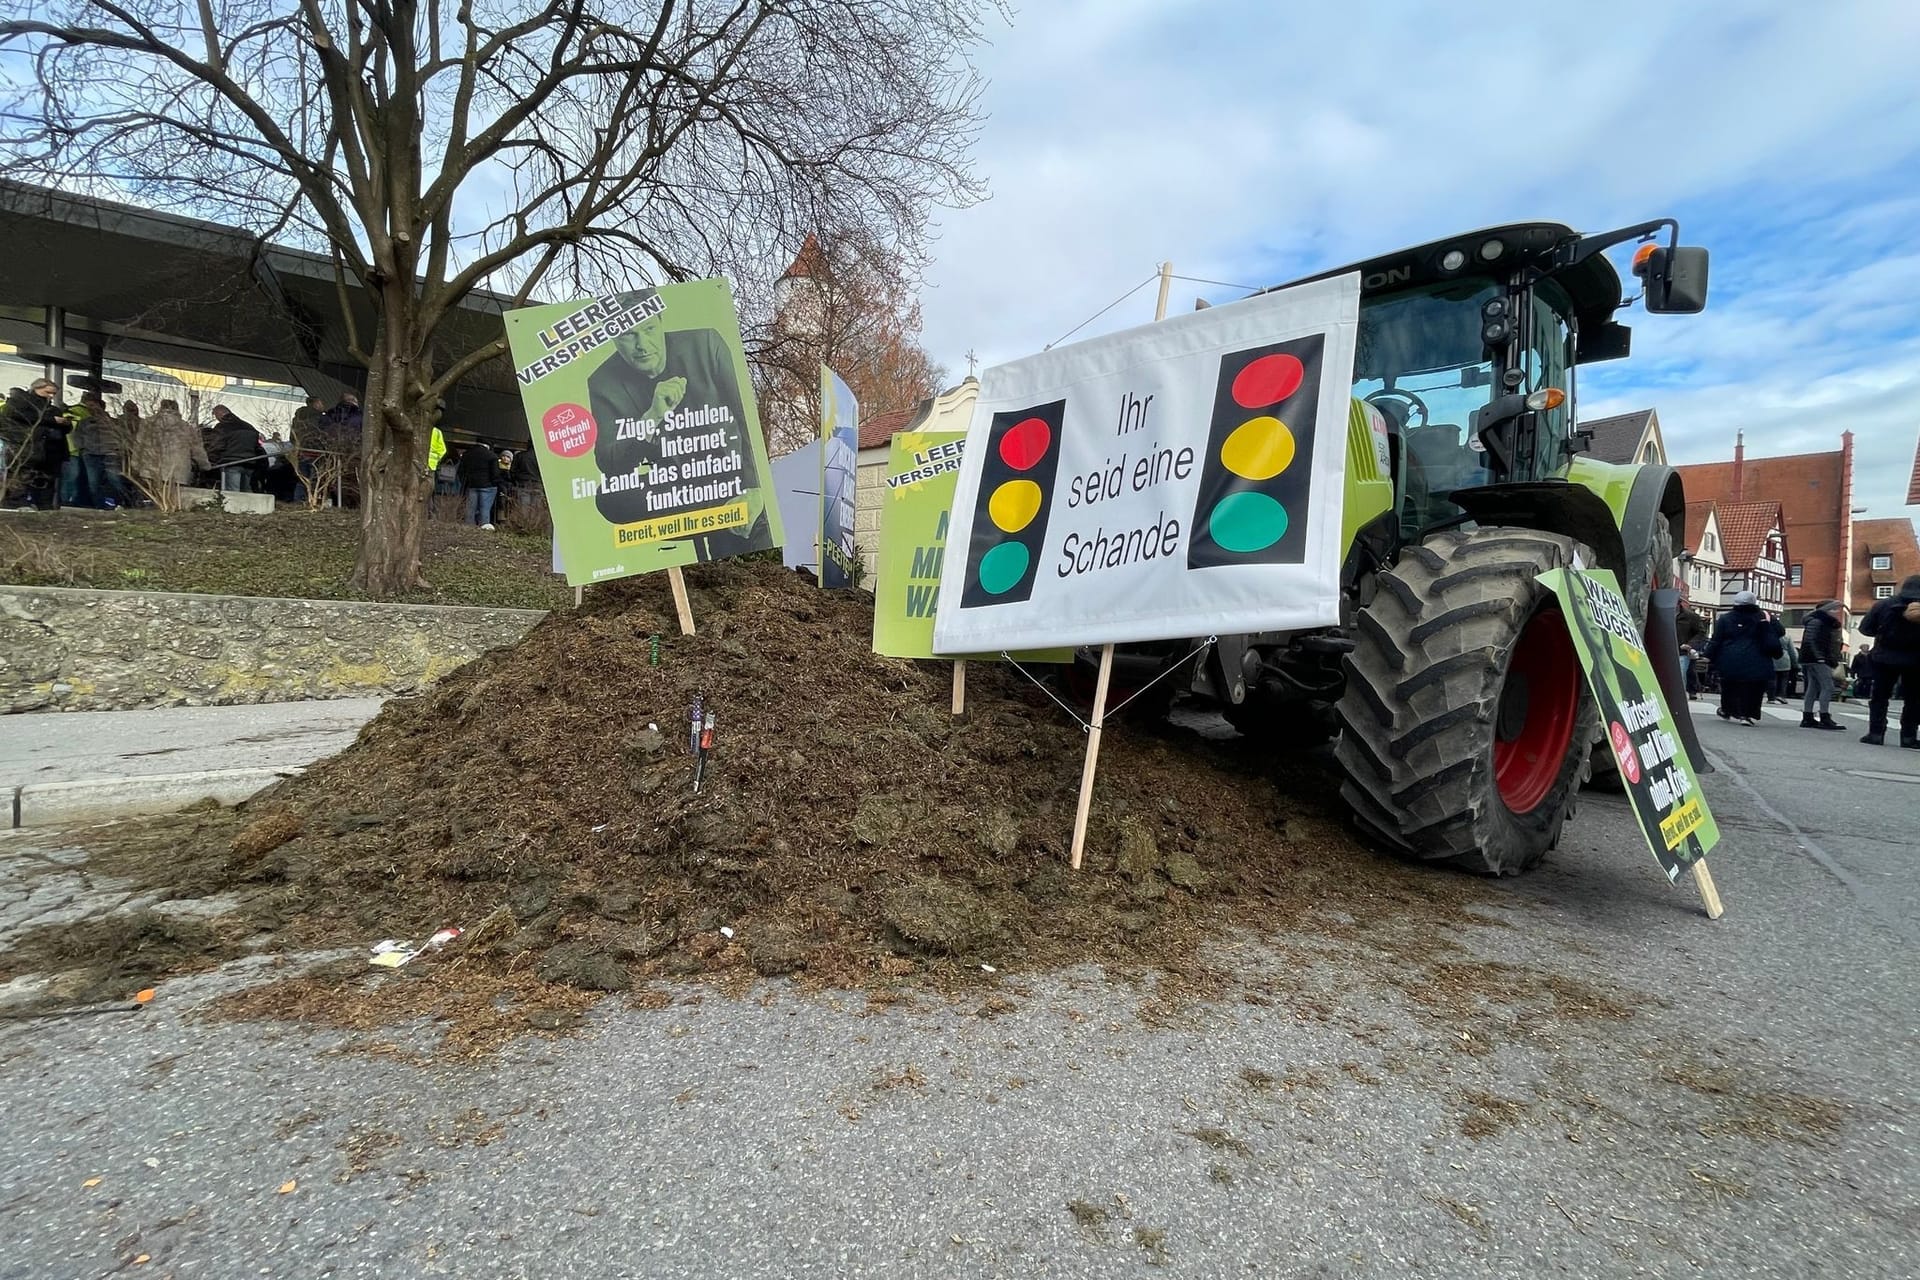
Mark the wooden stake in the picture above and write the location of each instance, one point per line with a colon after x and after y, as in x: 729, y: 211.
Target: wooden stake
x: 579, y: 593
x: 1092, y: 764
x: 960, y: 687
x: 1708, y: 894
x: 1093, y: 753
x: 678, y: 581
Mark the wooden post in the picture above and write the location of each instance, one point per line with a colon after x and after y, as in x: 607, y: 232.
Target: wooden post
x: 1093, y: 754
x: 960, y: 687
x: 1708, y: 894
x: 579, y: 593
x: 1092, y: 763
x: 678, y: 581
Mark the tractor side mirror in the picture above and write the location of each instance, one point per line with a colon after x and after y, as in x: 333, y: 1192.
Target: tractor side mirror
x: 1676, y: 281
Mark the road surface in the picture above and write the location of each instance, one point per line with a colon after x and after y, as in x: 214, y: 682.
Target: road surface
x: 1745, y: 1108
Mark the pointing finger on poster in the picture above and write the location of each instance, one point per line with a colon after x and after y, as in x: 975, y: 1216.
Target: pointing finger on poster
x: 667, y: 397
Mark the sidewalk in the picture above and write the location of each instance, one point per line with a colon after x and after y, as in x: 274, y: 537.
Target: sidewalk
x: 1856, y: 710
x: 87, y: 765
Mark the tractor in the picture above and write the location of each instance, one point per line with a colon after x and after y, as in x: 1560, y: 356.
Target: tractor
x: 1461, y: 721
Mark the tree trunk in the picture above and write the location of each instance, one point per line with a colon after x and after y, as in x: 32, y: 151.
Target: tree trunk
x: 394, y: 484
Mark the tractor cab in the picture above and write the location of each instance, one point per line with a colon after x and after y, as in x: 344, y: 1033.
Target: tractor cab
x: 1467, y: 349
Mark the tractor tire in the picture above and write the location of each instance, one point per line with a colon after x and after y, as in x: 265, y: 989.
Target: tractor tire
x: 1641, y: 582
x: 1466, y: 718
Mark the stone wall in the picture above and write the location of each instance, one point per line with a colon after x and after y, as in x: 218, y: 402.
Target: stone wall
x: 72, y: 650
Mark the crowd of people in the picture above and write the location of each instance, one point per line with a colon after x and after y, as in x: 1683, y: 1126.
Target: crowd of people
x: 487, y: 481
x: 57, y: 455
x: 1751, y: 659
x: 65, y: 455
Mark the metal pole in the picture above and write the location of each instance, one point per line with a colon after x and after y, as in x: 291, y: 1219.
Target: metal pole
x: 57, y: 340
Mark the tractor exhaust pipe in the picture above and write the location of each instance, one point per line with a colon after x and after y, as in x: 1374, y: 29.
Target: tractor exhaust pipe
x: 1663, y: 650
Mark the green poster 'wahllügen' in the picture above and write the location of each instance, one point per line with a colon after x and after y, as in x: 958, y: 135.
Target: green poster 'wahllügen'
x: 649, y: 439
x: 922, y: 469
x: 1635, y: 719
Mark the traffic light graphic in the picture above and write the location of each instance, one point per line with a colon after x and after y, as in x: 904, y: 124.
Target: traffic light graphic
x: 1011, y: 509
x: 1256, y: 477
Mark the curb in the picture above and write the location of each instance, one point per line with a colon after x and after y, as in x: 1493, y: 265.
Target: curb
x: 47, y: 804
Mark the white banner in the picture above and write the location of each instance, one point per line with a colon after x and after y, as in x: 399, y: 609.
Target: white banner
x: 1178, y: 480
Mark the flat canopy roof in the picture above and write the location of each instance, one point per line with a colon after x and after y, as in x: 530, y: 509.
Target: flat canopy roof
x: 159, y: 289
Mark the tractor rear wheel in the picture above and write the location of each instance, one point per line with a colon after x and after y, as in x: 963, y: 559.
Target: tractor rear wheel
x: 1466, y: 719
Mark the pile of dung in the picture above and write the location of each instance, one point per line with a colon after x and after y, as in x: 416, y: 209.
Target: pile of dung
x: 848, y: 828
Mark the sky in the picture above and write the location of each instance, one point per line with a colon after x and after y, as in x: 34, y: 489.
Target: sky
x: 1253, y: 143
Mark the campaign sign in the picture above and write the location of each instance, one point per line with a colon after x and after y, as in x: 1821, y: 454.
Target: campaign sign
x: 1635, y: 719
x: 915, y: 516
x: 649, y: 441
x: 1177, y: 480
x: 839, y: 460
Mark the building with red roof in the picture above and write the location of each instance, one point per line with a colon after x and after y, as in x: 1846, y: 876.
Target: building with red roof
x: 1755, y: 541
x: 1814, y: 494
x: 1886, y: 553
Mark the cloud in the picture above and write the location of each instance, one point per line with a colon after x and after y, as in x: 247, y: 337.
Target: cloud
x: 1253, y: 145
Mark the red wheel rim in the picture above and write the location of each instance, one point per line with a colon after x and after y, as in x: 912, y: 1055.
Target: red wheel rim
x: 1538, y: 706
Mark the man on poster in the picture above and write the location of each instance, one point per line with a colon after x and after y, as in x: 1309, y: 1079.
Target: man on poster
x: 659, y: 396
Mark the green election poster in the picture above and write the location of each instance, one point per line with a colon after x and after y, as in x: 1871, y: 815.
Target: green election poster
x: 1635, y: 719
x: 923, y: 468
x: 649, y: 440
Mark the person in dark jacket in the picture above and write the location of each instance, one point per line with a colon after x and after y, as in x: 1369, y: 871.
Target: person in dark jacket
x: 1895, y: 627
x: 526, y: 468
x: 309, y: 426
x: 1785, y: 668
x: 1745, y: 643
x: 103, y: 452
x: 1819, y: 657
x: 35, y: 426
x: 347, y: 415
x: 235, y: 448
x: 1861, y: 669
x: 479, y: 472
x: 1690, y: 629
x: 45, y: 450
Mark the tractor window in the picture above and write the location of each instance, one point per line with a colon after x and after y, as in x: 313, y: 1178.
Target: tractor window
x: 1548, y: 357
x: 1421, y: 360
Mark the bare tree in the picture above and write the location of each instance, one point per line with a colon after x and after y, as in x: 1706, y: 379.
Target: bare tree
x: 530, y: 147
x: 849, y: 303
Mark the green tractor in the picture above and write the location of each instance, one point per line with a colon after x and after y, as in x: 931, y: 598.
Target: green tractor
x: 1462, y: 723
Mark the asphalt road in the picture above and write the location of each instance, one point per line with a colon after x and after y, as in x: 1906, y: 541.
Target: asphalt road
x: 74, y: 746
x: 1752, y: 1116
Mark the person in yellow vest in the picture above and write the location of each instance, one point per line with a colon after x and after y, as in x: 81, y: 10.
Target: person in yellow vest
x: 436, y: 450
